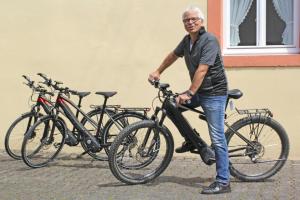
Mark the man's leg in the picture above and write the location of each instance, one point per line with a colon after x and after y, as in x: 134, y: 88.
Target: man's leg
x: 214, y: 108
x: 187, y: 145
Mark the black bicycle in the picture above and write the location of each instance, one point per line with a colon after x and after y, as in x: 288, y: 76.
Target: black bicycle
x: 43, y: 106
x: 258, y: 145
x: 44, y: 140
x: 15, y: 133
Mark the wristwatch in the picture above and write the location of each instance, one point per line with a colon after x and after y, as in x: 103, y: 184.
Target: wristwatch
x: 189, y: 93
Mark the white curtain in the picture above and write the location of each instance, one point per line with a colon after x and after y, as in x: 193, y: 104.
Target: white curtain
x: 238, y: 11
x: 284, y: 9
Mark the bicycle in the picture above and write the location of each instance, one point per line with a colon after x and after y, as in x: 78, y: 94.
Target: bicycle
x: 93, y: 138
x: 20, y: 126
x: 252, y: 154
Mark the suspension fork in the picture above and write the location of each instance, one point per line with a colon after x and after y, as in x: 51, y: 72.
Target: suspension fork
x: 158, y: 124
x: 34, y: 117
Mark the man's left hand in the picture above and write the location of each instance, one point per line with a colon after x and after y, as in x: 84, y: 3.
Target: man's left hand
x: 182, y: 98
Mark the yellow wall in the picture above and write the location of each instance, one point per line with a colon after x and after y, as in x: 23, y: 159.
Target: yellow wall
x: 98, y: 45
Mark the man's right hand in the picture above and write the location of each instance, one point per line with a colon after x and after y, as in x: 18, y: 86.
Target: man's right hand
x: 154, y: 76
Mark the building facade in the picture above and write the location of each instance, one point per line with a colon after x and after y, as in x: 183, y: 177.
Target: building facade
x: 113, y: 46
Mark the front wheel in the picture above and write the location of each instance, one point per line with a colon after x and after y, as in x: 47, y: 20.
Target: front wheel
x: 117, y: 123
x: 137, y: 143
x: 43, y: 142
x: 16, y: 132
x: 258, y: 148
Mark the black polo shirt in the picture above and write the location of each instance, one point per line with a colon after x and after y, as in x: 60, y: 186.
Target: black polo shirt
x: 205, y: 50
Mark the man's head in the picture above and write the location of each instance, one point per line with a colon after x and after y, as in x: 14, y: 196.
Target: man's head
x: 193, y: 19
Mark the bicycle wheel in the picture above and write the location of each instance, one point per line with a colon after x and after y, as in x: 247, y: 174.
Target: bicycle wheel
x: 43, y: 141
x: 95, y: 115
x: 15, y: 133
x: 264, y: 154
x: 130, y: 148
x: 117, y: 123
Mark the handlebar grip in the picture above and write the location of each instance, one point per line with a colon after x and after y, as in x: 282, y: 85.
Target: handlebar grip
x: 155, y: 83
x: 58, y: 82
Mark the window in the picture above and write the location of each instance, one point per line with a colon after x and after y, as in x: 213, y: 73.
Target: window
x: 261, y: 26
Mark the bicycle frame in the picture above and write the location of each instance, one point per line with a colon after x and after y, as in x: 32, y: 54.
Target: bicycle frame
x: 170, y: 110
x: 62, y: 107
x: 48, y: 107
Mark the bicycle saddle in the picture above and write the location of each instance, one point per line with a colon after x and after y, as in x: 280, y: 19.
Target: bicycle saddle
x: 83, y: 94
x: 106, y: 94
x: 235, y: 94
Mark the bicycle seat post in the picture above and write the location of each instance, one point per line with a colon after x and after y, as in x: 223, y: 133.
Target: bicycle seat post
x: 101, y: 116
x: 79, y: 106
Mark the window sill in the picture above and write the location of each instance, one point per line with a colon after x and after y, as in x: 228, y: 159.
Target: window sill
x: 262, y: 60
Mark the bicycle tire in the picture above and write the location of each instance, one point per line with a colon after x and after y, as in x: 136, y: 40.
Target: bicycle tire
x: 120, y: 120
x: 124, y: 134
x: 30, y: 155
x: 102, y: 156
x: 13, y: 145
x: 257, y: 157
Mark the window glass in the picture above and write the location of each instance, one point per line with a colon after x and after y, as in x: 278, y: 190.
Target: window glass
x: 247, y: 29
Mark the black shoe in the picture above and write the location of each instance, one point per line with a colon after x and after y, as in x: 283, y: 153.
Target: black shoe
x: 217, y: 188
x: 186, y: 146
x: 207, y: 154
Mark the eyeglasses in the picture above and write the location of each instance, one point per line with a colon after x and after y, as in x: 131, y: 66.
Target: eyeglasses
x: 192, y: 20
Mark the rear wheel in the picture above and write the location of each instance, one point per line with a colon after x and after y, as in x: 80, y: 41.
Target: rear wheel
x: 137, y: 144
x: 92, y: 128
x: 265, y: 153
x: 43, y: 141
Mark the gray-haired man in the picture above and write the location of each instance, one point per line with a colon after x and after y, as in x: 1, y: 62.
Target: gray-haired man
x: 208, y: 89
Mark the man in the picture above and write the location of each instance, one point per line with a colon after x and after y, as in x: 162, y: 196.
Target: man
x: 208, y: 89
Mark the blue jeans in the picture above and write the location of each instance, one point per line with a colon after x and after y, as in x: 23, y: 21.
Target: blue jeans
x: 214, y: 109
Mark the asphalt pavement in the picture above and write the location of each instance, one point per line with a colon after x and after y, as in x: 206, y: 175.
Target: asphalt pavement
x: 72, y: 178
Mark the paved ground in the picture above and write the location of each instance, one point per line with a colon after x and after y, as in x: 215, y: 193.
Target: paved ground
x: 71, y: 178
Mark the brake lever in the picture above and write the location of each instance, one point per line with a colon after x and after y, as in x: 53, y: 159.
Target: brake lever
x: 26, y: 77
x: 43, y: 76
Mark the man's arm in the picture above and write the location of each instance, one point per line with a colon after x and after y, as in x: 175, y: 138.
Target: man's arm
x: 169, y: 60
x: 198, y: 78
x: 196, y: 83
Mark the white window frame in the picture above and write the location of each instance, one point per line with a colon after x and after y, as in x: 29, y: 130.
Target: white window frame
x: 261, y: 48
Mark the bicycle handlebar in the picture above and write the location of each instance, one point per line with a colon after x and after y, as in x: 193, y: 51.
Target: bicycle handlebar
x: 163, y: 88
x: 37, y: 88
x: 55, y: 85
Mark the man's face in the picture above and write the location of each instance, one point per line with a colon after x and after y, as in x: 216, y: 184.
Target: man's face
x: 192, y: 23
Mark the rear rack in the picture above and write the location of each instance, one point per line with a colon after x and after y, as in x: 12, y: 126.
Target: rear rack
x: 144, y: 109
x: 116, y: 107
x: 254, y: 112
x: 123, y: 109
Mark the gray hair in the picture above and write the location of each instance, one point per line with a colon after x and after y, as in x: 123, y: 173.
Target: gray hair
x: 196, y: 9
